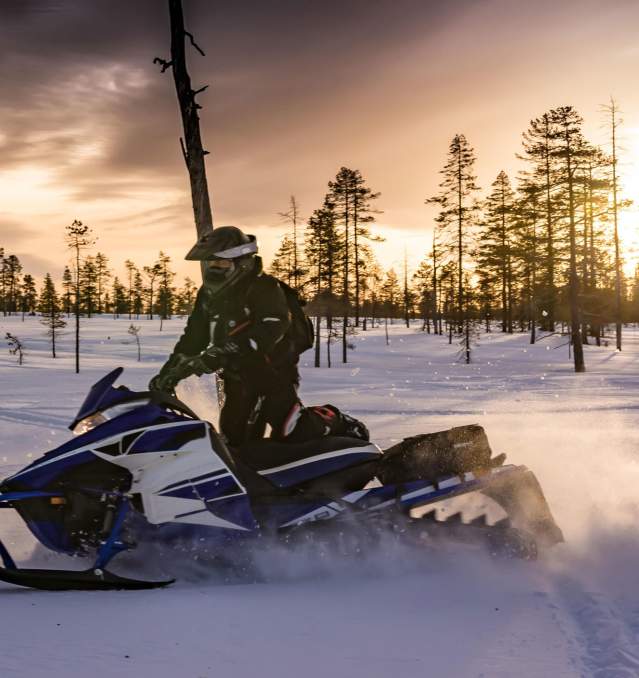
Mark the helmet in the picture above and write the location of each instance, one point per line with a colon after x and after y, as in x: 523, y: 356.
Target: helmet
x: 229, y: 255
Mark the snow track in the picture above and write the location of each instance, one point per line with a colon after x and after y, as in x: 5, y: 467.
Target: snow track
x: 572, y: 614
x: 608, y: 640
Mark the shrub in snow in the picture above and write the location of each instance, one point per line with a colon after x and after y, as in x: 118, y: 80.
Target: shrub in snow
x: 15, y: 346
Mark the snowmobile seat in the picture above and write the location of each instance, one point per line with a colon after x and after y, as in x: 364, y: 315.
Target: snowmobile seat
x: 288, y: 464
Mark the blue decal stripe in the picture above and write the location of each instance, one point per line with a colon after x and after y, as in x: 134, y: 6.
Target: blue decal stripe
x: 302, y: 472
x: 222, y: 471
x: 206, y: 489
x: 167, y: 438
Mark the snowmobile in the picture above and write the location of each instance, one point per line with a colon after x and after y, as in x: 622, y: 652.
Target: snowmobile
x: 142, y: 463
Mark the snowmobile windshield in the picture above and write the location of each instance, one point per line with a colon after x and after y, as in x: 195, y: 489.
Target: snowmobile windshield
x: 89, y: 423
x: 103, y: 399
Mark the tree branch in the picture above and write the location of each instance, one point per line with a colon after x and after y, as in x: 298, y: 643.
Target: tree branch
x: 163, y: 62
x: 197, y: 47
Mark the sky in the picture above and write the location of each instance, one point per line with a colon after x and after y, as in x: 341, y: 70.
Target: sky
x: 89, y: 127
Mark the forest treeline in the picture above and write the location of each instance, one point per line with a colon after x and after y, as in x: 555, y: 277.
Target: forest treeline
x: 535, y: 253
x: 146, y: 291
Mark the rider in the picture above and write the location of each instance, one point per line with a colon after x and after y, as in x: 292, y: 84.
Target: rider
x: 243, y: 327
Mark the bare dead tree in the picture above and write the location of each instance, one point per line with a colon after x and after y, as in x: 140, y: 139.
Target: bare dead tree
x: 191, y: 144
x: 134, y: 331
x: 16, y: 347
x: 612, y: 111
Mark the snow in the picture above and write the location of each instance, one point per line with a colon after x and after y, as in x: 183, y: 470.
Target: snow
x: 454, y: 613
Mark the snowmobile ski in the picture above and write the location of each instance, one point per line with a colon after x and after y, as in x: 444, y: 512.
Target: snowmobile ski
x: 70, y: 580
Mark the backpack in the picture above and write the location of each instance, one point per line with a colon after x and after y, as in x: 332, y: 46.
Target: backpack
x: 301, y: 331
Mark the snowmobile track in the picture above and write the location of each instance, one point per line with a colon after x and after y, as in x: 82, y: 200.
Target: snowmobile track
x: 608, y: 641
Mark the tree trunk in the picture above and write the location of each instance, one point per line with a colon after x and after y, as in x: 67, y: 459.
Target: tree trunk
x: 346, y: 295
x: 192, y: 149
x: 77, y: 311
x: 615, y: 214
x: 575, y: 333
x: 318, y: 322
x: 192, y: 146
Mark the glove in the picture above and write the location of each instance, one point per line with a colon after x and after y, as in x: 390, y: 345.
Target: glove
x: 215, y: 358
x: 180, y: 366
x: 196, y: 364
x: 164, y: 383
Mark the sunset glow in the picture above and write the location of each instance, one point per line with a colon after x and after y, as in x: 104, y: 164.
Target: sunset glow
x: 91, y: 131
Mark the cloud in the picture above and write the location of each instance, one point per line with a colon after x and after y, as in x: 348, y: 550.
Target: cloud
x: 296, y: 91
x: 14, y: 232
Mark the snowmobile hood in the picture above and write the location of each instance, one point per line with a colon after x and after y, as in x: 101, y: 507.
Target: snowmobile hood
x: 103, y: 395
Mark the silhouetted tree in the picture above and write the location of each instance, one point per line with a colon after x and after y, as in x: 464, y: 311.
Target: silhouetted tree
x: 67, y: 287
x: 50, y: 310
x: 295, y: 271
x: 29, y: 295
x: 152, y: 274
x: 457, y: 210
x: 496, y: 251
x: 78, y: 238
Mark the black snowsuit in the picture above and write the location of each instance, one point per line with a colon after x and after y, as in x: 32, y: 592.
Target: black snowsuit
x: 260, y: 381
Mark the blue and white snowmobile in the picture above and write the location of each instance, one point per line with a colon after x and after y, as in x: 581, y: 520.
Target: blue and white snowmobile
x: 143, y: 465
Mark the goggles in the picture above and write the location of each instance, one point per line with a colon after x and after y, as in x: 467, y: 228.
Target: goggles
x: 216, y: 265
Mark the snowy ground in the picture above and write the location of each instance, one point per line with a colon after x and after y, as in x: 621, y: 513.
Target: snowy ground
x: 573, y: 613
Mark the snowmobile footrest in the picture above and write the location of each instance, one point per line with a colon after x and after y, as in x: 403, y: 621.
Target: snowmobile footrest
x: 69, y: 580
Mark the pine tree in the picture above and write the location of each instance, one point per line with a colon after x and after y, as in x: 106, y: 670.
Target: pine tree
x: 50, y: 310
x: 165, y: 287
x: 78, y: 238
x: 29, y: 295
x: 89, y: 286
x: 407, y: 294
x: 284, y: 264
x: 10, y: 283
x: 152, y: 273
x: 119, y: 298
x: 391, y: 295
x: 363, y: 215
x: 138, y: 294
x: 67, y: 286
x: 324, y: 246
x: 131, y: 272
x: 457, y: 211
x: 3, y: 283
x: 496, y: 252
x: 528, y: 215
x: 102, y: 275
x: 295, y: 265
x: 538, y: 144
x: 423, y: 282
x: 352, y: 204
x: 185, y: 300
x: 570, y: 147
x: 373, y: 282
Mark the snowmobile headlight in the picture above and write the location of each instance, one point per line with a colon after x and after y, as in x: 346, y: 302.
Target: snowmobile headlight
x: 89, y: 423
